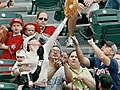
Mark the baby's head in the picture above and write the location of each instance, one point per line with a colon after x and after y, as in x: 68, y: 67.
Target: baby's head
x: 21, y: 55
x: 30, y: 29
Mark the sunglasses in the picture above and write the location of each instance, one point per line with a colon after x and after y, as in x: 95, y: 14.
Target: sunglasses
x: 45, y: 19
x: 20, y: 56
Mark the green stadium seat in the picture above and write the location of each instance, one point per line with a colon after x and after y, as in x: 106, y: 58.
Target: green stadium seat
x: 5, y: 74
x: 5, y: 17
x: 46, y: 5
x: 8, y: 86
x: 106, y: 23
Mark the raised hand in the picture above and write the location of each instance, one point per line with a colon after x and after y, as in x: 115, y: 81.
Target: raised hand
x: 75, y: 41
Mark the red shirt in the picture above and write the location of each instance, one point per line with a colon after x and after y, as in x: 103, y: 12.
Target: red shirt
x: 14, y: 44
x: 49, y: 30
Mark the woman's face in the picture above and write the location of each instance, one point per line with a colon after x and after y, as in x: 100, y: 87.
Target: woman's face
x: 54, y: 53
x: 42, y: 19
x: 73, y: 59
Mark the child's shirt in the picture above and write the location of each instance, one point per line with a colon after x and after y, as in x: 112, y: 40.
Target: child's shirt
x: 14, y: 43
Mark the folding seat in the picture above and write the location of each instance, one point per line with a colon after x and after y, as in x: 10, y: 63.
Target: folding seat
x: 8, y: 86
x: 106, y: 23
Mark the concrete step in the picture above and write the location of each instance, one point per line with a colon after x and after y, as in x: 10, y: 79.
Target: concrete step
x: 87, y: 50
x: 17, y: 1
x: 19, y: 7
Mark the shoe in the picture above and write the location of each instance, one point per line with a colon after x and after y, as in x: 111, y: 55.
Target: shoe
x: 69, y: 42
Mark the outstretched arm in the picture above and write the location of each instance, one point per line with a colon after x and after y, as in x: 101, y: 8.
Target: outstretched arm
x: 99, y: 53
x: 48, y: 45
x: 79, y: 52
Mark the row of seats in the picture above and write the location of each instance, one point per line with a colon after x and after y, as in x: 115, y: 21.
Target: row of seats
x: 105, y: 22
x: 5, y: 76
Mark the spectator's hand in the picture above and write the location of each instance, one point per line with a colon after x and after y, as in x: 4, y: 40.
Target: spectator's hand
x: 64, y: 58
x: 81, y: 7
x: 30, y: 84
x: 91, y: 42
x: 10, y: 68
x: 3, y: 46
x: 78, y: 78
x: 10, y: 3
x: 57, y: 64
x: 88, y: 2
x: 75, y: 41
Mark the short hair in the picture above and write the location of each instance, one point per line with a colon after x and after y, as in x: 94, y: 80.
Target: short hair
x: 106, y: 81
x: 42, y: 11
x: 56, y: 46
x: 71, y: 53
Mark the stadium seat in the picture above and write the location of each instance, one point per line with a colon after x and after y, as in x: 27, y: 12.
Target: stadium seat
x: 8, y: 86
x: 46, y: 5
x: 5, y: 74
x: 106, y: 23
x: 0, y: 53
x: 5, y: 17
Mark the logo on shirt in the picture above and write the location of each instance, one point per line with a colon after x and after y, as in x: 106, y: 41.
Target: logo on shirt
x: 13, y: 46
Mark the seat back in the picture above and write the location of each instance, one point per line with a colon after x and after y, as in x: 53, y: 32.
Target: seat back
x: 106, y: 23
x: 8, y: 86
x: 5, y: 74
x: 46, y: 4
x: 105, y: 16
x: 5, y: 17
x: 51, y: 5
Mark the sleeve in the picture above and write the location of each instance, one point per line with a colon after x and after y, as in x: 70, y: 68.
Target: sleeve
x: 113, y: 65
x: 16, y: 45
x: 92, y: 62
x: 48, y: 45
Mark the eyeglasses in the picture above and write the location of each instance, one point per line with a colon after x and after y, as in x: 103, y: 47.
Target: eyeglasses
x: 45, y: 19
x: 20, y: 56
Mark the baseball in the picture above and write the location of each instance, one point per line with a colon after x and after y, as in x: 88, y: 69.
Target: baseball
x: 71, y: 5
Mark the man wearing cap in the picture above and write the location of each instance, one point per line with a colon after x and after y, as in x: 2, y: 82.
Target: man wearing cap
x: 103, y: 61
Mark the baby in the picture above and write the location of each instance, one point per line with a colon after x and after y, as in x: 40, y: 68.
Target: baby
x: 25, y: 76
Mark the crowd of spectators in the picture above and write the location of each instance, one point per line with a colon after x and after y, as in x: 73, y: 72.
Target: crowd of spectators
x: 41, y: 63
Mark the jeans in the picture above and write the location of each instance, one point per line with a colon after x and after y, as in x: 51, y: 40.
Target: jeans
x: 113, y: 4
x: 35, y: 88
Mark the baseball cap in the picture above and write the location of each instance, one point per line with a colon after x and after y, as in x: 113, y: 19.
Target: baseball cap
x: 110, y: 44
x: 16, y: 20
